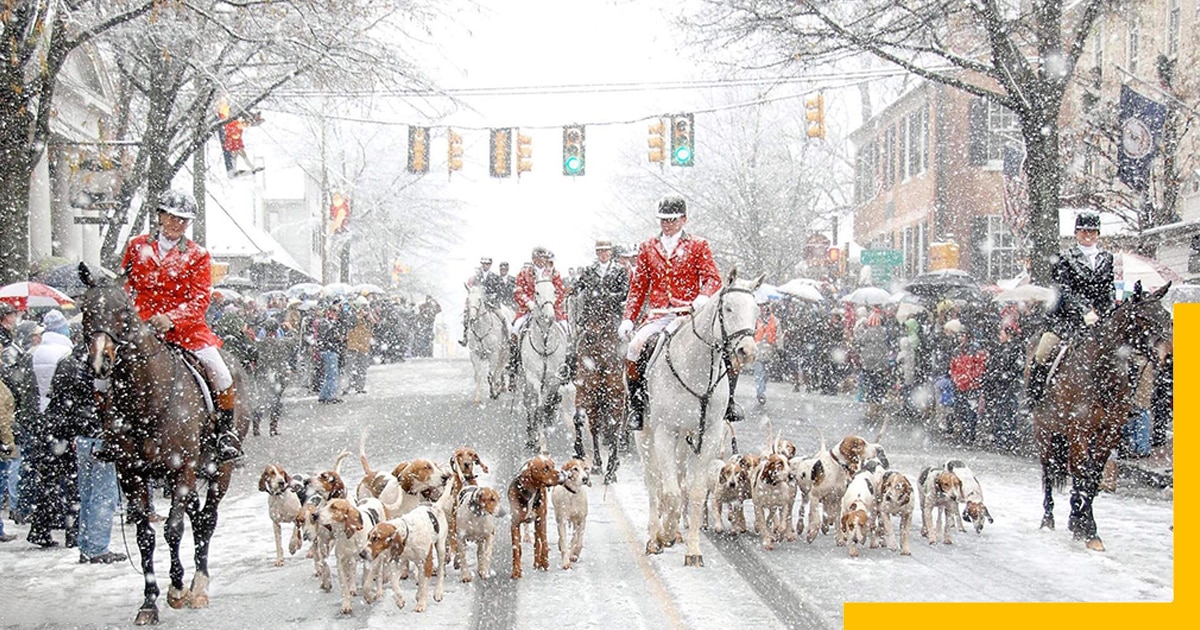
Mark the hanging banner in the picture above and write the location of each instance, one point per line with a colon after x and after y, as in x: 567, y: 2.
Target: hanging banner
x: 1141, y: 122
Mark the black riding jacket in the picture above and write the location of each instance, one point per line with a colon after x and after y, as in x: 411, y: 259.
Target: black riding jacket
x: 1081, y: 289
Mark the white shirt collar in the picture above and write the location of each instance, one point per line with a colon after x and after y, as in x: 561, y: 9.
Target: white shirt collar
x: 669, y: 243
x: 165, y: 245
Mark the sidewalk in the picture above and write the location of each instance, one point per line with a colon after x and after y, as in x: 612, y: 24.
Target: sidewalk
x: 1156, y: 470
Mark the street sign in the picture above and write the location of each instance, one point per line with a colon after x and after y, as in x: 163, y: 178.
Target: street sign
x: 882, y: 257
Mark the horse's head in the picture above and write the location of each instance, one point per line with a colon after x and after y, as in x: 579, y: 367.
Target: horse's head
x: 735, y: 317
x: 109, y: 319
x: 1145, y: 324
x: 474, y: 301
x: 545, y: 296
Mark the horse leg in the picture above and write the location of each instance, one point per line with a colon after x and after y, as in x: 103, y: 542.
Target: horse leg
x: 137, y: 490
x: 597, y: 459
x: 696, y: 495
x: 1089, y: 487
x: 672, y: 494
x: 204, y: 523
x: 1048, y: 495
x: 177, y: 595
x: 578, y: 422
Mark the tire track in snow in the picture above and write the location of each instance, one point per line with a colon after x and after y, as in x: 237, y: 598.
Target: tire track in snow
x: 791, y: 608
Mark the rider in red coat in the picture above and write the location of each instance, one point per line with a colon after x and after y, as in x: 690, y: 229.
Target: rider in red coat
x: 170, y: 278
x: 675, y: 274
x: 525, y: 297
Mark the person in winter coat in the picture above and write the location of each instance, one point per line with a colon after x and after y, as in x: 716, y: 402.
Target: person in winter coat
x: 358, y: 346
x: 1002, y: 388
x: 8, y: 448
x: 49, y: 451
x: 73, y: 403
x: 766, y: 334
x: 874, y: 356
x: 331, y: 340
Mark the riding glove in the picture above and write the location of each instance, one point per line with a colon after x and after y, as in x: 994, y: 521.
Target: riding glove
x: 625, y: 328
x: 699, y: 302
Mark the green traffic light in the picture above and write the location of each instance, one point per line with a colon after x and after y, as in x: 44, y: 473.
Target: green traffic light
x: 683, y: 155
x: 573, y: 164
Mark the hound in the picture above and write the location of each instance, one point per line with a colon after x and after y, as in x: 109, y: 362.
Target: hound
x: 729, y: 485
x: 571, y: 508
x: 477, y: 508
x: 527, y: 501
x: 285, y: 496
x: 418, y: 537
x: 974, y: 511
x: 463, y: 463
x: 895, y: 498
x: 941, y: 490
x: 858, y: 511
x: 823, y: 478
x: 348, y: 526
x: 773, y: 491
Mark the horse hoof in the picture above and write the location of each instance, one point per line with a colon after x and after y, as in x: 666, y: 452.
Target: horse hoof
x: 200, y: 601
x: 1095, y: 544
x: 653, y: 547
x: 693, y: 561
x: 146, y: 617
x: 1047, y: 523
x: 178, y: 599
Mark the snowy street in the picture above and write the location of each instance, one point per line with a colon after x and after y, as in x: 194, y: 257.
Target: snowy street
x: 421, y: 409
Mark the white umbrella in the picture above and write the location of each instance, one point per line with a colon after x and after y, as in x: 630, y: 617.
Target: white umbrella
x: 906, y: 310
x: 368, y: 289
x: 801, y: 288
x: 904, y: 297
x: 304, y: 289
x: 335, y: 289
x: 868, y: 296
x: 1129, y: 269
x: 766, y: 292
x: 1028, y: 293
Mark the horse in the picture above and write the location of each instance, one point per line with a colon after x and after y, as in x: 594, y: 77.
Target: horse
x: 488, y: 344
x: 1088, y: 400
x: 158, y: 421
x: 678, y: 443
x: 600, y: 393
x: 543, y: 360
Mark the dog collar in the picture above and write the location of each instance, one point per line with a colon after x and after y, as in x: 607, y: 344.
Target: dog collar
x: 837, y: 457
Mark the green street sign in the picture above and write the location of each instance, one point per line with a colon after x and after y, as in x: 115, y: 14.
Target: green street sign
x: 882, y: 257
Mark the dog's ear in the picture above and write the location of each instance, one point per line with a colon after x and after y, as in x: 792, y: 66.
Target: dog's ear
x: 966, y: 515
x: 479, y: 462
x: 988, y: 514
x: 454, y: 463
x: 262, y: 481
x: 353, y: 522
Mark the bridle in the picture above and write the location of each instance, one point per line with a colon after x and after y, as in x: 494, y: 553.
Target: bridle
x: 724, y: 345
x: 545, y: 325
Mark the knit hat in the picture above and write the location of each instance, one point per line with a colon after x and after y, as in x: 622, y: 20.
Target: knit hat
x: 55, y: 321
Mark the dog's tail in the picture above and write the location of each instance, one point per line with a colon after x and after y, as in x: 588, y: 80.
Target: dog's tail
x: 443, y: 502
x: 362, y: 454
x: 733, y: 449
x: 337, y: 463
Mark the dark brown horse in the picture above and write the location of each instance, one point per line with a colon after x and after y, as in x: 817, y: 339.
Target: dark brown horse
x: 600, y: 389
x: 1088, y: 400
x: 158, y: 420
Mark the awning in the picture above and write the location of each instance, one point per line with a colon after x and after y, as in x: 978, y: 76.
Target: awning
x: 230, y: 237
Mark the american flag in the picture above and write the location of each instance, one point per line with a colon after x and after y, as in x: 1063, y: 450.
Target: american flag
x: 1016, y: 194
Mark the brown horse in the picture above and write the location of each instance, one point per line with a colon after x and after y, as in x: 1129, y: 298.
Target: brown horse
x: 600, y: 389
x: 158, y: 419
x: 1088, y: 400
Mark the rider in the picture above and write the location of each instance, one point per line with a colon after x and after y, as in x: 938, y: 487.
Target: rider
x: 1083, y: 276
x: 602, y: 286
x: 675, y: 274
x: 525, y: 296
x: 492, y: 288
x: 170, y: 277
x: 508, y: 286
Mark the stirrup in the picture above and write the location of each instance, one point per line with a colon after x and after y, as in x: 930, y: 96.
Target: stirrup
x: 227, y: 448
x: 733, y: 413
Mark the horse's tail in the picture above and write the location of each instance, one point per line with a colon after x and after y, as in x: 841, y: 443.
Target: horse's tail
x: 337, y: 463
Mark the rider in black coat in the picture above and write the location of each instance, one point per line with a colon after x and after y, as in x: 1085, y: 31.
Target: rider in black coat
x: 602, y: 287
x: 1083, y: 276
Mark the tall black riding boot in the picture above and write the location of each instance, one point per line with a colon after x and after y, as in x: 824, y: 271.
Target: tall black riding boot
x: 637, y: 395
x: 229, y: 444
x: 1036, y: 387
x: 733, y: 413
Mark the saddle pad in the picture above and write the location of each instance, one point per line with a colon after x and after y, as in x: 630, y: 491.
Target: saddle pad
x: 191, y: 361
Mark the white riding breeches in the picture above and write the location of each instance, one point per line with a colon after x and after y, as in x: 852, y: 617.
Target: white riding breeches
x: 1045, y: 347
x: 519, y: 325
x: 644, y: 333
x: 211, y: 358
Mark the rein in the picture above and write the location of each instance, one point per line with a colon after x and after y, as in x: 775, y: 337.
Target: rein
x: 724, y: 345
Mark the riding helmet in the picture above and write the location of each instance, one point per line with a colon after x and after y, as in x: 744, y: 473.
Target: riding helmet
x: 671, y: 208
x: 1087, y: 220
x: 177, y: 203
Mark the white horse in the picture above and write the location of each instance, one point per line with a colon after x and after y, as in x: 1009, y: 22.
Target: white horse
x: 543, y: 359
x: 487, y: 340
x: 688, y: 387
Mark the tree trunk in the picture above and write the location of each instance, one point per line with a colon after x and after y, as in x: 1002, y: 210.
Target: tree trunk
x: 1045, y: 183
x: 14, y: 211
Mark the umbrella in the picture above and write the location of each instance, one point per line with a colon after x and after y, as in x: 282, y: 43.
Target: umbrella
x: 368, y: 289
x: 801, y: 288
x: 949, y: 284
x: 766, y: 292
x: 26, y: 295
x: 906, y: 310
x: 334, y: 289
x: 1129, y: 269
x: 65, y: 278
x: 271, y: 295
x: 1028, y: 293
x: 304, y: 289
x: 235, y: 282
x: 868, y: 296
x: 227, y: 294
x: 904, y: 297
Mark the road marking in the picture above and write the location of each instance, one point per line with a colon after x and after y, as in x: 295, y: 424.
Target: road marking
x: 788, y: 605
x: 637, y: 549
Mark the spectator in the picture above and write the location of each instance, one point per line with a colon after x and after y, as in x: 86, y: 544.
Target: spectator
x: 876, y: 362
x: 967, y: 367
x: 330, y: 340
x: 766, y: 335
x: 428, y: 312
x: 8, y: 449
x: 358, y: 345
x: 1002, y: 385
x: 275, y: 351
x: 55, y: 499
x: 73, y: 403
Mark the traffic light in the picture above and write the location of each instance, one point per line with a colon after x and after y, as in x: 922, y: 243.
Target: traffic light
x: 454, y: 151
x: 834, y: 254
x: 814, y: 112
x: 573, y: 150
x: 658, y: 141
x: 501, y: 145
x: 524, y: 153
x: 418, y: 150
x: 683, y: 147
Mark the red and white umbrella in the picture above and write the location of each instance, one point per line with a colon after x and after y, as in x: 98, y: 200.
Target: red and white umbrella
x: 26, y: 295
x: 1128, y: 269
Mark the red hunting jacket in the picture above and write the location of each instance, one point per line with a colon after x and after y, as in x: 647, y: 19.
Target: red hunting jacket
x: 178, y: 286
x: 525, y: 291
x: 661, y: 282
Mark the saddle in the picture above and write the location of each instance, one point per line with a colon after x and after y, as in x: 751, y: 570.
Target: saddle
x: 201, y: 374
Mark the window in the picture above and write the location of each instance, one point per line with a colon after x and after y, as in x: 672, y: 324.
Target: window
x: 1173, y: 14
x: 1002, y: 129
x: 864, y: 183
x: 903, y: 148
x: 888, y: 155
x: 915, y: 128
x: 1098, y: 45
x: 1135, y: 35
x: 1001, y: 250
